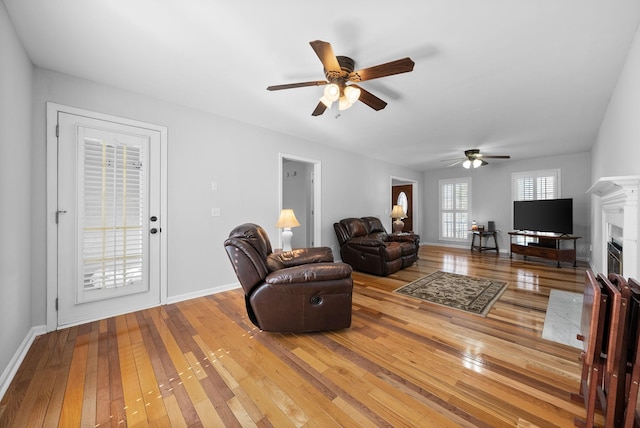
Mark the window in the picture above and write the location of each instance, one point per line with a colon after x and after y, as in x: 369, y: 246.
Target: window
x: 455, y: 209
x: 532, y: 186
x: 403, y: 201
x: 535, y: 185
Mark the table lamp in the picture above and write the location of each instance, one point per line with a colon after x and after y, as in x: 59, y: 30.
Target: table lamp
x: 398, y: 214
x: 286, y: 221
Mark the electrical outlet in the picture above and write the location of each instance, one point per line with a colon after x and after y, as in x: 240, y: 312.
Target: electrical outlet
x: 215, y: 212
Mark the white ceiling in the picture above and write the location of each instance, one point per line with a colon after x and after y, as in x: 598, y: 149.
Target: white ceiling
x: 526, y: 78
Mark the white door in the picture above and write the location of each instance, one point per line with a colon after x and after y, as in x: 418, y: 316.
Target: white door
x: 108, y: 217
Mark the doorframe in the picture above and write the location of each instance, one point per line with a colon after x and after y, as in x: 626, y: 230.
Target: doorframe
x: 317, y: 194
x: 417, y: 214
x: 52, y: 200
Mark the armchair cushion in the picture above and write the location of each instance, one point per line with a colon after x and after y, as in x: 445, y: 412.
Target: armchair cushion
x: 309, y: 273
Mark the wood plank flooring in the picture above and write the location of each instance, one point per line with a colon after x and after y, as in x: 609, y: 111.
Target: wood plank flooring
x: 403, y: 362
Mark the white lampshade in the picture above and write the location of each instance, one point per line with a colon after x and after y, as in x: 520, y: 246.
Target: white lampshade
x: 343, y: 103
x: 466, y: 164
x: 397, y: 212
x: 332, y: 92
x: 352, y: 94
x: 287, y: 219
x: 477, y: 163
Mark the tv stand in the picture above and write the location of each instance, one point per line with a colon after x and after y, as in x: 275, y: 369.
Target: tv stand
x: 548, y: 246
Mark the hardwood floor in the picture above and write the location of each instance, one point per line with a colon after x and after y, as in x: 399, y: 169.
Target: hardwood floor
x: 402, y: 363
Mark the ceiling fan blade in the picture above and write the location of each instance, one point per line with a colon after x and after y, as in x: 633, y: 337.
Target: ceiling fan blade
x: 494, y: 157
x: 459, y: 161
x: 403, y: 65
x: 371, y: 100
x: 320, y: 108
x: 296, y: 85
x: 326, y: 55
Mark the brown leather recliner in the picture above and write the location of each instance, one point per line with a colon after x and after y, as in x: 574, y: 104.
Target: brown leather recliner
x: 367, y: 247
x: 294, y: 291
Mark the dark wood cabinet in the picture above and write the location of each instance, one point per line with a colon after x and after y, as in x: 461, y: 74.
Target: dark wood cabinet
x: 561, y: 248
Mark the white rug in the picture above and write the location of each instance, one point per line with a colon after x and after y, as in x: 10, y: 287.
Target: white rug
x: 562, y: 321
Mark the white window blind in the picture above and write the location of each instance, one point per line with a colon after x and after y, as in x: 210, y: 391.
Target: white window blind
x: 111, y: 214
x: 535, y: 185
x: 455, y: 206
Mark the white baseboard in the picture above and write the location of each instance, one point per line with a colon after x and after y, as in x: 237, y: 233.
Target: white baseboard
x: 18, y: 357
x: 202, y: 293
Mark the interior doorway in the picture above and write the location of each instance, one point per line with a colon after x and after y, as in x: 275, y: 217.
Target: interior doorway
x: 402, y: 193
x: 300, y: 181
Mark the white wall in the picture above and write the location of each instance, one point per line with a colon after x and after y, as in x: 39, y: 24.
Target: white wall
x: 15, y: 192
x: 491, y: 195
x: 204, y: 148
x: 617, y: 149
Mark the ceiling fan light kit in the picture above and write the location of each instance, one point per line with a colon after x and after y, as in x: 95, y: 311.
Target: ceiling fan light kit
x: 339, y: 70
x: 472, y: 163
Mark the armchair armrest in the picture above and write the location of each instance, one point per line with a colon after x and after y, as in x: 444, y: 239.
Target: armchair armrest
x: 313, y: 272
x: 298, y: 257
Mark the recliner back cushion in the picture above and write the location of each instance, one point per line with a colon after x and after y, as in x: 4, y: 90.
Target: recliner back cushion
x: 356, y: 227
x: 255, y: 236
x: 375, y: 225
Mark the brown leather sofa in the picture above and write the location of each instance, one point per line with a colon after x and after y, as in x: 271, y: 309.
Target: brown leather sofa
x: 294, y: 291
x: 367, y: 247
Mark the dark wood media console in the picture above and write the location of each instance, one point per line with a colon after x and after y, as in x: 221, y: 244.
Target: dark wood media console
x: 549, y: 246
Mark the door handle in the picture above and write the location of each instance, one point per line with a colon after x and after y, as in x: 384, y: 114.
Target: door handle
x: 153, y: 231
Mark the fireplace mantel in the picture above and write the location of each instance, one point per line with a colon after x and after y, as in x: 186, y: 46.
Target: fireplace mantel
x: 619, y: 196
x: 627, y: 186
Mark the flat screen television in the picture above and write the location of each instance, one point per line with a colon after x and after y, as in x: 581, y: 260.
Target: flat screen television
x: 545, y: 215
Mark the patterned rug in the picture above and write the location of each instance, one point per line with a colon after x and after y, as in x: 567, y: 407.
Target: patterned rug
x: 466, y: 293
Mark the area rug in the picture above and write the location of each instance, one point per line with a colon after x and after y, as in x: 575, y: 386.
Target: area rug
x: 466, y: 293
x: 563, y: 318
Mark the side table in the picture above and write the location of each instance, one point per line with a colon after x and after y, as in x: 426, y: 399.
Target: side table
x: 486, y: 234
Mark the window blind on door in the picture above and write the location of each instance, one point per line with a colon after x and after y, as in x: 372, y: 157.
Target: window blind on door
x: 111, y: 214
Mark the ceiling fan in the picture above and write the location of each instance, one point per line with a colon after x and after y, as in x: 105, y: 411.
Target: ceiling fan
x: 473, y: 158
x: 340, y: 75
